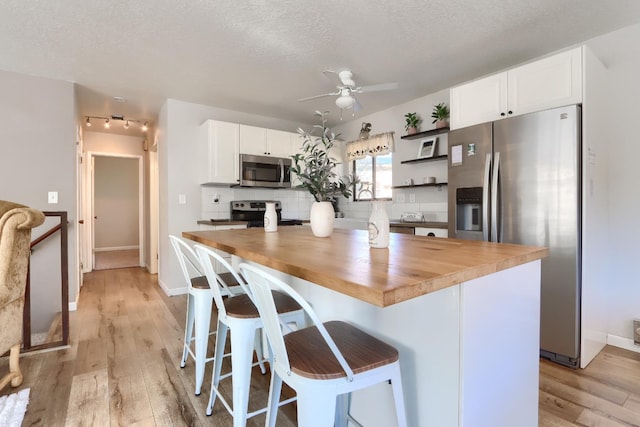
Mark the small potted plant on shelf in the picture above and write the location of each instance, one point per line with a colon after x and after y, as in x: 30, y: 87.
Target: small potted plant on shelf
x: 440, y: 115
x: 412, y: 121
x: 316, y: 171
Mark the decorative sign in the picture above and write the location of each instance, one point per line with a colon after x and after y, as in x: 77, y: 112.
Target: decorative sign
x: 456, y: 155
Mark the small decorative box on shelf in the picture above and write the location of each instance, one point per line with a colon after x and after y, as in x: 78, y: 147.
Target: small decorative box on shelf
x: 430, y: 132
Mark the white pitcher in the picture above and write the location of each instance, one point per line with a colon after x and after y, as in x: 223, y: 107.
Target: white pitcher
x: 378, y: 225
x: 270, y: 218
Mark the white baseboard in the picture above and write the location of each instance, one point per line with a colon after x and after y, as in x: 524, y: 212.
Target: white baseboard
x: 73, y: 305
x: 172, y: 291
x: 622, y: 342
x: 116, y: 248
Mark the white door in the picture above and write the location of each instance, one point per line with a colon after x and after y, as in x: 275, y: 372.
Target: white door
x: 107, y: 226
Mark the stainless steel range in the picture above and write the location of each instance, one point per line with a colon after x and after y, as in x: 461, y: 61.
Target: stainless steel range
x: 252, y: 211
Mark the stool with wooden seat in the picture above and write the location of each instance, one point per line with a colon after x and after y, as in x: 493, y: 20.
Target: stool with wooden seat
x: 199, y: 306
x: 239, y: 315
x: 323, y: 363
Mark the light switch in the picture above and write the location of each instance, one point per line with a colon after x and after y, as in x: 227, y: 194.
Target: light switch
x: 52, y: 197
x: 182, y: 199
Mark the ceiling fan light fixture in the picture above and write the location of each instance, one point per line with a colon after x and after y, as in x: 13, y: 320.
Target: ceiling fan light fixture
x: 345, y: 101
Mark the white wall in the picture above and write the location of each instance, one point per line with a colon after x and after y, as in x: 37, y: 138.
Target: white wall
x: 432, y: 201
x: 619, y: 52
x: 178, y: 129
x: 116, y: 202
x: 37, y: 155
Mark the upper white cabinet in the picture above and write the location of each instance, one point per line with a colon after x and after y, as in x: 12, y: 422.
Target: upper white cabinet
x: 218, y: 152
x: 253, y: 140
x: 547, y: 83
x: 264, y: 142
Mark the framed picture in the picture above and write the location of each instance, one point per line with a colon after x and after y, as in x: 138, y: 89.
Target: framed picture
x: 427, y: 147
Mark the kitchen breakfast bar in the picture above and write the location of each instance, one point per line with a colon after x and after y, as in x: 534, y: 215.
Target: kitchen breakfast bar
x: 464, y: 315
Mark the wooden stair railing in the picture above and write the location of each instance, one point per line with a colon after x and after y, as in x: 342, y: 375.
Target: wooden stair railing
x: 64, y: 273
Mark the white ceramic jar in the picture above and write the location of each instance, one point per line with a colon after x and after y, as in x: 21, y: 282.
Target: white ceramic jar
x: 378, y: 225
x: 270, y: 218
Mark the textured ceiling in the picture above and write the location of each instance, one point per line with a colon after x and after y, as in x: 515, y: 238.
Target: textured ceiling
x: 261, y: 56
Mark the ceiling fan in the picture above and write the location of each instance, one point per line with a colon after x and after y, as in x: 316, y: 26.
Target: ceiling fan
x: 347, y: 88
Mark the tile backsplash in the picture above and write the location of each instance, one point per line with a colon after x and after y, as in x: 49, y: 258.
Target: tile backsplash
x: 296, y: 204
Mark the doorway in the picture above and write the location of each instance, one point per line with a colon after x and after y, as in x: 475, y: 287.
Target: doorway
x: 116, y: 204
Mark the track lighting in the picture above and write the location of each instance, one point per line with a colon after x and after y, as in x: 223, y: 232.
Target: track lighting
x: 127, y: 123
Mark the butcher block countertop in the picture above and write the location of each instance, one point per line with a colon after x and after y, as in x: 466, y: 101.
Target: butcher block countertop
x: 412, y: 265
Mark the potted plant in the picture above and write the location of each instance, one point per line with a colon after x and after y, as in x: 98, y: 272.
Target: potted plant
x: 412, y: 121
x: 440, y: 115
x: 316, y: 171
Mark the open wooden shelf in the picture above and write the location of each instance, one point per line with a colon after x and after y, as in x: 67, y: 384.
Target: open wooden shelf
x: 430, y: 132
x: 426, y: 159
x: 437, y: 184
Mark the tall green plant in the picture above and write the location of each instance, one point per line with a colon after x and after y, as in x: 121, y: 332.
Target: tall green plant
x: 316, y: 168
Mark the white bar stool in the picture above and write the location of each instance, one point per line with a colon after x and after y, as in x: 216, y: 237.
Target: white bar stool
x: 239, y: 315
x: 323, y: 364
x: 199, y: 306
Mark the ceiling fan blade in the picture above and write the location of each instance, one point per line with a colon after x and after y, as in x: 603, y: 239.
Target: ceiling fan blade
x: 378, y: 87
x: 319, y: 96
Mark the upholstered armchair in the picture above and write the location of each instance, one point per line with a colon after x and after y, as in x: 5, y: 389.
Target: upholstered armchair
x: 16, y: 222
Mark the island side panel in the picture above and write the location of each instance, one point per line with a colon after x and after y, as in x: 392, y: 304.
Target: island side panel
x: 500, y: 347
x: 425, y: 332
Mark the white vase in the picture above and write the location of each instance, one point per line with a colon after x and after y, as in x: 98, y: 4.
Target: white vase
x: 322, y: 218
x: 378, y: 225
x: 270, y: 218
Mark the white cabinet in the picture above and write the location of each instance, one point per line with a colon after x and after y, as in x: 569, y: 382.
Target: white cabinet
x: 546, y: 83
x: 253, y: 140
x: 480, y: 101
x: 218, y: 152
x: 435, y: 232
x: 264, y: 142
x: 217, y: 267
x: 279, y: 143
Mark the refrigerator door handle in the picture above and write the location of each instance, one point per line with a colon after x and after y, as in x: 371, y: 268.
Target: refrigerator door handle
x: 485, y: 198
x: 495, y: 221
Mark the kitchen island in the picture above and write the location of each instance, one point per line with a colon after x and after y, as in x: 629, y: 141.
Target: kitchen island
x: 463, y: 314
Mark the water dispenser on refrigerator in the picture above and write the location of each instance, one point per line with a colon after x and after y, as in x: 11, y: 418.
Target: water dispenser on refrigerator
x: 469, y: 213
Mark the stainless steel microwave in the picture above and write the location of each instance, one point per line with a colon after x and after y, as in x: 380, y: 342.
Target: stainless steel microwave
x: 265, y: 171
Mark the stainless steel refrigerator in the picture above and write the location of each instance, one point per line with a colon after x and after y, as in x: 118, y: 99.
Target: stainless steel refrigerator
x: 518, y: 180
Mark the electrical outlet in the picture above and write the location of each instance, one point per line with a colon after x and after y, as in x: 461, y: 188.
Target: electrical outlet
x: 400, y: 198
x: 52, y: 197
x: 636, y: 332
x: 412, y: 198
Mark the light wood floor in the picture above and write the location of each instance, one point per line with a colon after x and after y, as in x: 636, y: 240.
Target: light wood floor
x: 123, y: 370
x: 105, y: 260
